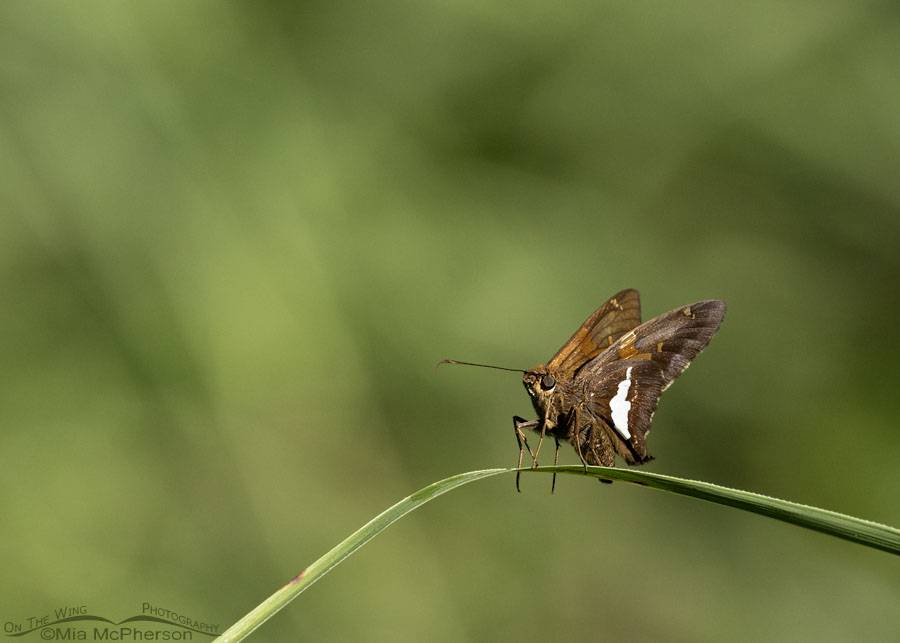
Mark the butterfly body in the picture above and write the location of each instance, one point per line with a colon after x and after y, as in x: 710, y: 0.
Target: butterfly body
x: 600, y: 390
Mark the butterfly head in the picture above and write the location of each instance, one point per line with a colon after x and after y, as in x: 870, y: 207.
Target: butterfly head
x: 547, y: 391
x: 540, y: 384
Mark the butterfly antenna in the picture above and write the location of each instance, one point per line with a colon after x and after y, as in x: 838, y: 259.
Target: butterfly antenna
x: 499, y: 368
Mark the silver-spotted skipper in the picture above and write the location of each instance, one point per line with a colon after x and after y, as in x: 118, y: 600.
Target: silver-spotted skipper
x: 600, y: 390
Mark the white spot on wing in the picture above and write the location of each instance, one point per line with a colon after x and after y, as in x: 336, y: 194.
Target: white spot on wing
x: 620, y: 406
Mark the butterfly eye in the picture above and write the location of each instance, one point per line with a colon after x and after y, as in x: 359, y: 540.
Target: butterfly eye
x: 548, y: 382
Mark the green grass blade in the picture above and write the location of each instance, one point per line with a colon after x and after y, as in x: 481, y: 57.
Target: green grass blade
x: 864, y: 532
x: 360, y: 537
x: 856, y: 530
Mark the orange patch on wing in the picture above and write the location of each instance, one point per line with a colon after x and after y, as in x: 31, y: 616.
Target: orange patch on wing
x: 627, y: 349
x: 627, y: 352
x: 587, y: 345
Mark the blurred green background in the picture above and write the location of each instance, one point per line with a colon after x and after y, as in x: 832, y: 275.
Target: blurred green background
x: 236, y: 238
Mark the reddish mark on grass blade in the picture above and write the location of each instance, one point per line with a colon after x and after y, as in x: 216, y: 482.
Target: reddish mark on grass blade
x: 296, y: 579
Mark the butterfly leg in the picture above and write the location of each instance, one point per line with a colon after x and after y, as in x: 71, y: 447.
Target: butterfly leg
x: 537, y: 450
x: 577, y: 431
x: 555, y: 463
x: 518, y: 425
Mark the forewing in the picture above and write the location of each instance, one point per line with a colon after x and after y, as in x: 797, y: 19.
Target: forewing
x: 621, y: 400
x: 620, y: 314
x: 671, y: 341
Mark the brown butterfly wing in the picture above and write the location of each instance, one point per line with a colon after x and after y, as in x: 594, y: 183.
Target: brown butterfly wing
x: 620, y: 407
x: 671, y: 340
x: 624, y: 383
x: 620, y: 314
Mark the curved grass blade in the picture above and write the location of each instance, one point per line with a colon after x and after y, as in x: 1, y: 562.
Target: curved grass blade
x: 357, y: 539
x: 864, y: 532
x: 849, y: 528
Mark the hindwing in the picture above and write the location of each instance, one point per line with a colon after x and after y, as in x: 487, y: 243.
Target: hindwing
x: 622, y: 385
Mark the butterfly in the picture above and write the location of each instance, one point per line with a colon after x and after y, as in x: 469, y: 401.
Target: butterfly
x: 600, y: 390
